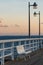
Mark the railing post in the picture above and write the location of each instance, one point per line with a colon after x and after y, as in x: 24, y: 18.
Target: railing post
x: 41, y: 44
x: 29, y: 45
x: 12, y: 51
x: 33, y: 45
x: 19, y: 42
x: 2, y: 60
x: 38, y: 45
x: 25, y: 44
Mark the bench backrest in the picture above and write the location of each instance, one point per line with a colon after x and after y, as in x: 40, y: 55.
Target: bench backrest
x: 20, y: 49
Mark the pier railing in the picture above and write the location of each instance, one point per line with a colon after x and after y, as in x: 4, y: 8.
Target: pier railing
x: 8, y: 47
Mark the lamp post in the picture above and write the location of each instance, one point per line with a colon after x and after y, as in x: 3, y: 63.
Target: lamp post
x: 34, y: 6
x: 39, y: 20
x: 39, y: 27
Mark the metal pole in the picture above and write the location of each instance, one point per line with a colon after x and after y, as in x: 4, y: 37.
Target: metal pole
x: 29, y: 19
x: 39, y: 32
x: 39, y: 23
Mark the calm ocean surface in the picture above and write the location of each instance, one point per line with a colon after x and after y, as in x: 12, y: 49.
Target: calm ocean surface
x: 18, y: 37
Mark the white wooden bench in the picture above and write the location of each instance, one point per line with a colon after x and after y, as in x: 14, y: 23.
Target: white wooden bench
x: 21, y: 51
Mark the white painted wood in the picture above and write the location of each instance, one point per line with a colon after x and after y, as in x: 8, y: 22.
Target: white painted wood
x: 19, y: 41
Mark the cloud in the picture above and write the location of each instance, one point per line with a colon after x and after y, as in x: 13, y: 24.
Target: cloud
x: 16, y: 25
x: 0, y: 21
x: 41, y: 23
x: 3, y: 25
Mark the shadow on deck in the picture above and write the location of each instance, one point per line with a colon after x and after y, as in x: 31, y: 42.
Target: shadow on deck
x: 36, y: 59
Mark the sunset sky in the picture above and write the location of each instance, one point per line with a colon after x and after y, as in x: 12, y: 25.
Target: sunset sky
x: 14, y: 17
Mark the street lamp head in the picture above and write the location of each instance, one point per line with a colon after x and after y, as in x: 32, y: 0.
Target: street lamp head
x: 35, y: 13
x: 34, y: 5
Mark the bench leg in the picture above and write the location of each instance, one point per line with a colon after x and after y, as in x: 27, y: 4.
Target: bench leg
x: 29, y: 57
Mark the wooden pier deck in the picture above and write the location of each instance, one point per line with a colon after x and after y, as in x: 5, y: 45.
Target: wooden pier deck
x: 36, y: 59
